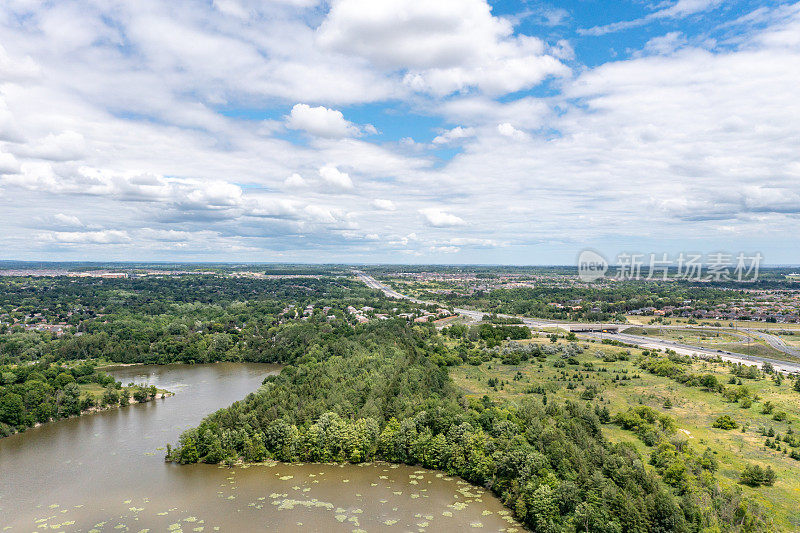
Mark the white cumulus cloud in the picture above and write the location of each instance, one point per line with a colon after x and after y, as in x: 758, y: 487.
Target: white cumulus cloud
x: 86, y: 237
x: 295, y: 180
x: 441, y: 219
x: 506, y: 129
x: 444, y: 46
x: 335, y: 177
x: 321, y: 121
x: 8, y: 164
x: 454, y: 134
x: 67, y: 220
x: 385, y: 205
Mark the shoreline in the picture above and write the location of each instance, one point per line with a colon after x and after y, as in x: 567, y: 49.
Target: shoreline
x: 161, y: 395
x: 112, y: 366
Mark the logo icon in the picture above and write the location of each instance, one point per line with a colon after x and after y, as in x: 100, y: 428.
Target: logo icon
x: 591, y: 266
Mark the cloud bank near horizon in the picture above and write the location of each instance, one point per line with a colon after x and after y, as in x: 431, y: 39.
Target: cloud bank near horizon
x: 451, y: 131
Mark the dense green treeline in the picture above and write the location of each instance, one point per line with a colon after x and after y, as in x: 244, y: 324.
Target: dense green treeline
x: 38, y: 393
x: 379, y: 393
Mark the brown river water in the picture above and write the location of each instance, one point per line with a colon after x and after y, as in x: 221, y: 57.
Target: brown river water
x: 106, y: 472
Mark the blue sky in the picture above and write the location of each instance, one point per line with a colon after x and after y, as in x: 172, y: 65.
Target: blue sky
x: 456, y: 131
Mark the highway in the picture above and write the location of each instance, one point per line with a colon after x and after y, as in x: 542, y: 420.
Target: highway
x: 773, y: 340
x: 689, y: 349
x: 641, y: 341
x: 470, y: 313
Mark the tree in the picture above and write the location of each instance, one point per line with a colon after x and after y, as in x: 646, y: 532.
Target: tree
x: 12, y: 409
x: 39, y: 400
x: 63, y: 379
x: 70, y: 400
x: 187, y: 452
x: 542, y: 511
x: 755, y: 476
x: 770, y: 476
x: 254, y: 449
x: 110, y: 396
x: 710, y: 382
x: 140, y: 395
x: 36, y: 392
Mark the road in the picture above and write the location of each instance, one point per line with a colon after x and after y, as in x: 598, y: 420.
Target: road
x: 391, y: 293
x: 689, y: 349
x: 470, y: 313
x: 636, y: 340
x: 773, y: 340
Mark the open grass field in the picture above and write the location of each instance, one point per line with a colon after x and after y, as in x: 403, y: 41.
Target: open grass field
x: 759, y: 349
x: 709, y: 339
x: 791, y: 340
x: 621, y: 385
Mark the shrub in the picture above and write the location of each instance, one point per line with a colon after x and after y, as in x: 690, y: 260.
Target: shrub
x: 725, y: 422
x: 746, y: 403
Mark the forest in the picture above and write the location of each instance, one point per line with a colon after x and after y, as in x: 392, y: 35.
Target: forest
x: 382, y: 393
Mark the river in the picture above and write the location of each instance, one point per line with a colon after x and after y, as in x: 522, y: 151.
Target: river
x: 105, y: 472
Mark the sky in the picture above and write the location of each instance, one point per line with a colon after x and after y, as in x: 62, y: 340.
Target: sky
x: 406, y: 131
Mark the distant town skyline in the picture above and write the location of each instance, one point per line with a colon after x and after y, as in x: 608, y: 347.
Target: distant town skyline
x: 374, y: 131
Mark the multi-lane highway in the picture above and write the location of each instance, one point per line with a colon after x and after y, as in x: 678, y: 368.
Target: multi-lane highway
x: 773, y: 340
x: 469, y: 313
x: 689, y: 349
x: 636, y: 340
